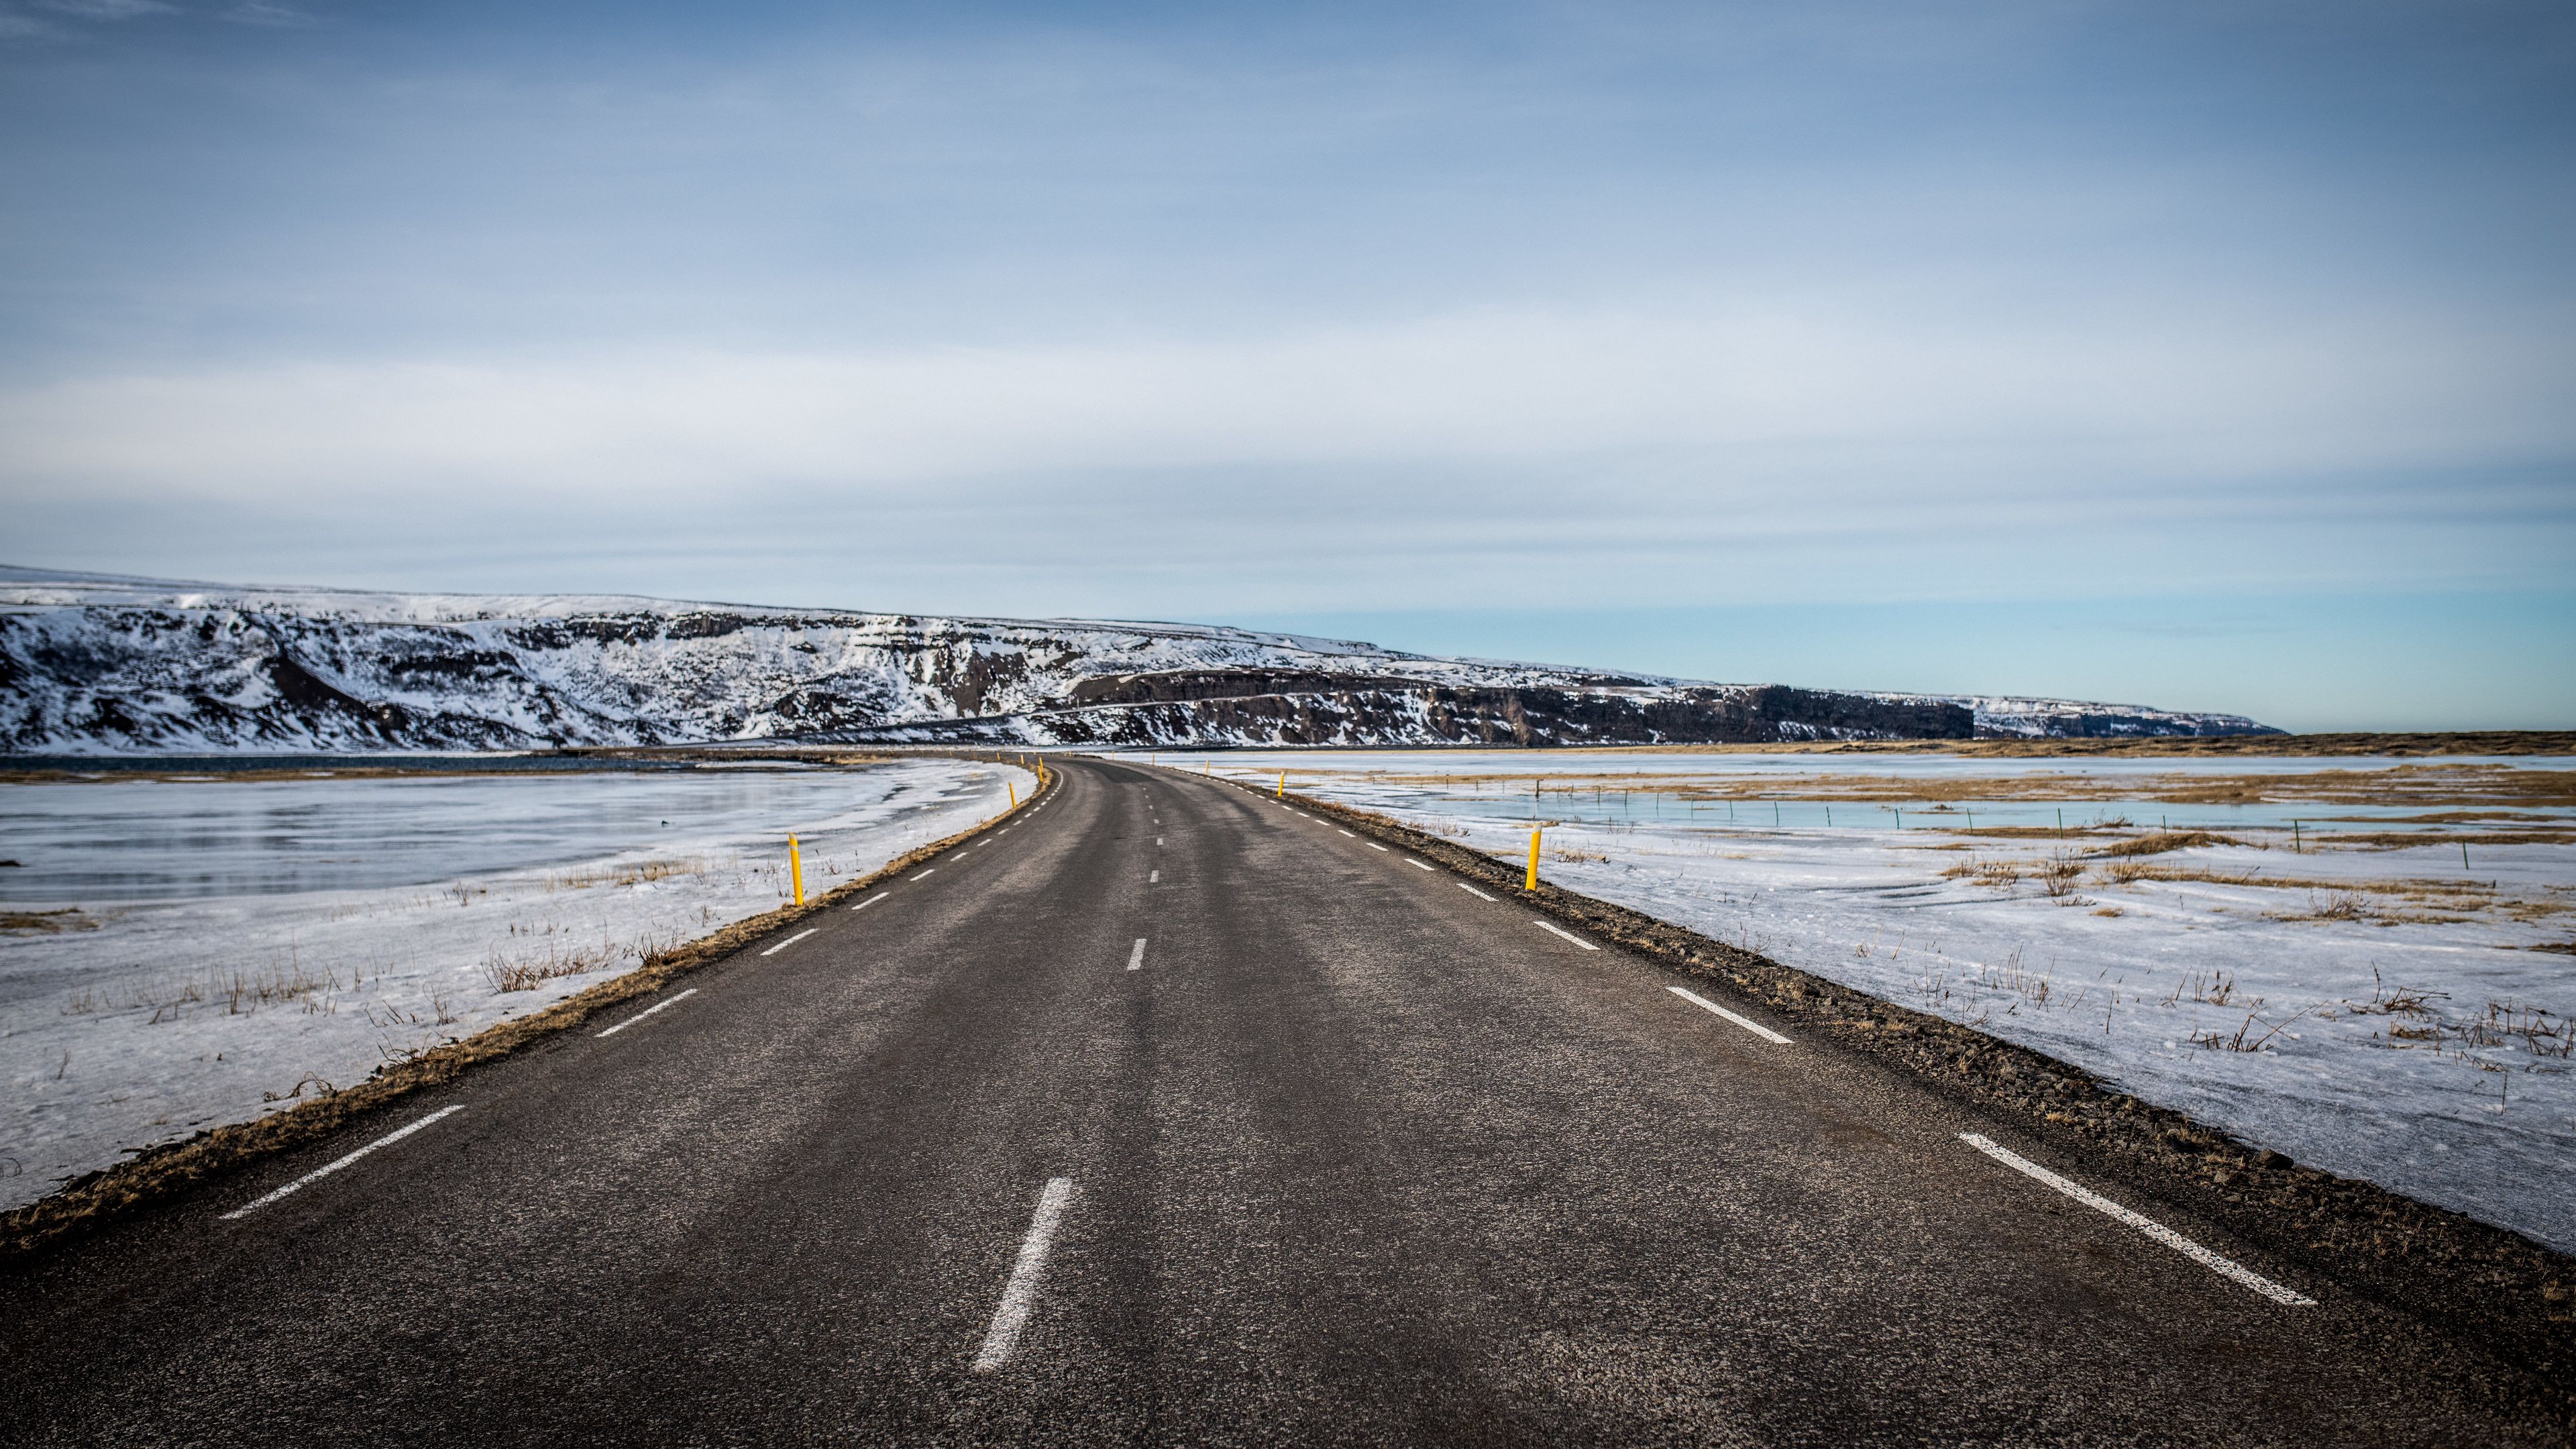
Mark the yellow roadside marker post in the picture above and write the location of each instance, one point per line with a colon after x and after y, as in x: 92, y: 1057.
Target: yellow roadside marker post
x: 1283, y: 784
x: 1532, y: 883
x: 796, y: 869
x: 1015, y: 793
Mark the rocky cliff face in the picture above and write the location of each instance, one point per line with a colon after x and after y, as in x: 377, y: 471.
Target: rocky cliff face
x: 91, y: 664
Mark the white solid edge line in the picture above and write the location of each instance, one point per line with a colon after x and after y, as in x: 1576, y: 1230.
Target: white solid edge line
x: 2225, y: 1267
x: 1136, y: 958
x: 1553, y: 929
x: 1424, y: 864
x: 1471, y: 890
x: 790, y: 941
x: 1021, y: 1293
x: 870, y: 901
x: 319, y: 1173
x: 1373, y: 845
x: 1746, y: 1022
x: 648, y: 1011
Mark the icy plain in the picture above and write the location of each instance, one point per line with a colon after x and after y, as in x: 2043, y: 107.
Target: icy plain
x: 2294, y: 949
x: 189, y: 952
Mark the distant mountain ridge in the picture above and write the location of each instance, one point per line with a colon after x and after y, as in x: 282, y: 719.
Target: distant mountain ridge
x: 104, y: 664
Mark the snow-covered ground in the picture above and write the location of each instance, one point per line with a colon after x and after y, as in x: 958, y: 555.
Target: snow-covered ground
x: 2351, y: 989
x: 184, y: 953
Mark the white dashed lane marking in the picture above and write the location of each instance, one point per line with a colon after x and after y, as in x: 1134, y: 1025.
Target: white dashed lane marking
x: 1021, y: 1293
x: 1136, y: 958
x: 790, y: 941
x: 1746, y: 1022
x: 648, y: 1011
x: 1555, y: 930
x: 1418, y: 864
x: 870, y: 901
x: 2223, y: 1266
x: 1471, y: 890
x: 319, y: 1173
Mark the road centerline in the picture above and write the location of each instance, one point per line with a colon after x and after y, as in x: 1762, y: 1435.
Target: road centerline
x: 1020, y: 1294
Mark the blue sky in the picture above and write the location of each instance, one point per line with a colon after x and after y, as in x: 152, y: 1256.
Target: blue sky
x: 2210, y: 356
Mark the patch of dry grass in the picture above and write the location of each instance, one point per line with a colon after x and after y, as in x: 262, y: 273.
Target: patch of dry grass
x: 2245, y: 1038
x: 2210, y: 988
x: 2058, y: 875
x: 2447, y: 840
x: 47, y: 923
x: 529, y: 971
x: 286, y: 982
x: 2158, y: 842
x: 2413, y: 889
x: 1997, y: 872
x: 640, y: 873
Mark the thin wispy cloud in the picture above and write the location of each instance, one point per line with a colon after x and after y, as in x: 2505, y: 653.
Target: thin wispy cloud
x: 108, y: 9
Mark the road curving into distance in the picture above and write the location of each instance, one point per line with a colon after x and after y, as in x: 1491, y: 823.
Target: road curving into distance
x: 1167, y: 1113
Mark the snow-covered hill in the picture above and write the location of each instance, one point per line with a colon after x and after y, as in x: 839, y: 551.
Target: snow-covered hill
x: 99, y: 664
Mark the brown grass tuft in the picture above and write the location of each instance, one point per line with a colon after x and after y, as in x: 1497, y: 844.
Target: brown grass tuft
x: 47, y: 923
x: 2157, y: 842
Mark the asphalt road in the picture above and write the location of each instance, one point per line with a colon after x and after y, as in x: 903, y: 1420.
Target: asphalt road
x: 1347, y: 1154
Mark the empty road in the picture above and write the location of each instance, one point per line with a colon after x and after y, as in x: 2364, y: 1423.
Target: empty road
x: 1170, y: 1114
